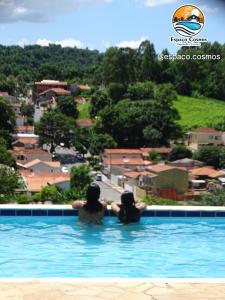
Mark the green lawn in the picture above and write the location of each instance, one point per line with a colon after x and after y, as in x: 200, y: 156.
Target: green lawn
x: 199, y: 112
x: 84, y: 110
x: 193, y: 112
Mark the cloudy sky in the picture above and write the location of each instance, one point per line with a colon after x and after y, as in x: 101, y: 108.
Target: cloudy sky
x: 98, y: 24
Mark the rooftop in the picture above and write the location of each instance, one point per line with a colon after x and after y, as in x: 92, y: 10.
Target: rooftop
x: 160, y: 150
x: 205, y: 171
x: 51, y: 82
x: 36, y: 181
x: 84, y: 122
x: 52, y: 164
x: 123, y: 151
x: 206, y: 130
x: 58, y: 91
x: 126, y: 161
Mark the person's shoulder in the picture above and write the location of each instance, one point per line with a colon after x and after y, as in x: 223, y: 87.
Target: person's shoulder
x: 78, y: 204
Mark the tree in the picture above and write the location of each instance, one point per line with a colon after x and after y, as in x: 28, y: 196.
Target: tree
x: 116, y: 91
x: 141, y: 90
x: 28, y: 111
x: 99, y: 100
x: 7, y: 119
x: 67, y: 106
x: 101, y: 141
x: 147, y: 62
x: 9, y: 181
x: 80, y: 177
x: 55, y: 128
x: 154, y: 156
x: 179, y: 152
x: 6, y: 157
x: 210, y: 155
x: 52, y: 194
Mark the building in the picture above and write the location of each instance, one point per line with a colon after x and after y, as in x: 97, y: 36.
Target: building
x: 165, y: 181
x: 34, y: 182
x: 24, y: 156
x: 187, y: 163
x: 162, y: 151
x: 21, y: 120
x: 203, y: 136
x: 49, y: 96
x: 26, y: 129
x: 37, y: 165
x: 117, y: 161
x: 44, y: 85
x: 26, y: 141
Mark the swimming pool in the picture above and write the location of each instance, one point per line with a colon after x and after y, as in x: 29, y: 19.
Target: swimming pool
x: 50, y: 247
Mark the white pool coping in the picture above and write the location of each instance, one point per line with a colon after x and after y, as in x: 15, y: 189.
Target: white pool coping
x: 150, y: 207
x: 113, y: 280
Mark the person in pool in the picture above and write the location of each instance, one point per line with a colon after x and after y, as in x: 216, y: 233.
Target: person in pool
x: 92, y: 210
x: 128, y: 211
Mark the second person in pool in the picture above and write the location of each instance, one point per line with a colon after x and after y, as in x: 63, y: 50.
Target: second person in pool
x: 128, y: 211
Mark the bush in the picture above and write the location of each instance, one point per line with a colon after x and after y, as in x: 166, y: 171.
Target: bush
x: 151, y: 200
x: 180, y: 152
x: 23, y: 199
x: 216, y: 198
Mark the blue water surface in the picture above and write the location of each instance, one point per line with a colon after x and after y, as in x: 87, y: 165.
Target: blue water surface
x: 156, y: 247
x: 190, y: 25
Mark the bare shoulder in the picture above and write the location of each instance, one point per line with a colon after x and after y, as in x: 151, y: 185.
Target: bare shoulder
x: 141, y: 206
x: 78, y: 204
x: 115, y: 207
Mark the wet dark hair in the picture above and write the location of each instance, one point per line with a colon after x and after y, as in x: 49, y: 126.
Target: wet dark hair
x: 128, y: 212
x: 92, y: 195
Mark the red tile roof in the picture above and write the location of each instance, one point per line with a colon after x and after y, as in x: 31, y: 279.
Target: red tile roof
x: 206, y: 130
x: 58, y: 91
x: 52, y: 164
x: 207, y: 171
x: 36, y: 181
x: 126, y: 161
x: 25, y: 128
x: 26, y: 140
x: 84, y: 122
x: 161, y: 150
x: 84, y: 87
x: 123, y: 151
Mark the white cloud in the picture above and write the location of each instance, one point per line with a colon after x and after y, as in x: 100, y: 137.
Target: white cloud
x: 106, y: 44
x: 64, y: 43
x: 209, y: 9
x: 152, y: 3
x: 40, y: 11
x: 131, y: 44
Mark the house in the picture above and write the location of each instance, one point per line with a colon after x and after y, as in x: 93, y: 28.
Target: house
x: 44, y: 85
x: 26, y: 141
x: 49, y: 96
x: 34, y: 182
x: 85, y: 123
x: 187, y: 163
x: 21, y: 120
x: 206, y: 172
x: 27, y: 129
x: 203, y: 136
x: 165, y: 181
x: 24, y: 156
x: 116, y: 161
x: 37, y: 165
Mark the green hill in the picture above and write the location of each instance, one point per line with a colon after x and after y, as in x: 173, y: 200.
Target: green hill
x: 193, y: 112
x: 199, y: 112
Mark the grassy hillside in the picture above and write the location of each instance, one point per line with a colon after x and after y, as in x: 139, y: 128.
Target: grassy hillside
x: 199, y: 112
x: 193, y: 112
x: 83, y: 110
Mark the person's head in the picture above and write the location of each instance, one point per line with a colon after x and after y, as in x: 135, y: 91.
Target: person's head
x: 127, y: 199
x: 93, y: 192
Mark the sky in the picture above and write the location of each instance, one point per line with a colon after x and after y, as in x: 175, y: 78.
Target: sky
x: 99, y: 24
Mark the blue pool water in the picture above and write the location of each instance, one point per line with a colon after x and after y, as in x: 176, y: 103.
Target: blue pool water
x: 156, y: 247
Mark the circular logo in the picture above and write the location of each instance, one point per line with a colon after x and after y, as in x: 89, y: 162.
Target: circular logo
x: 188, y: 20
